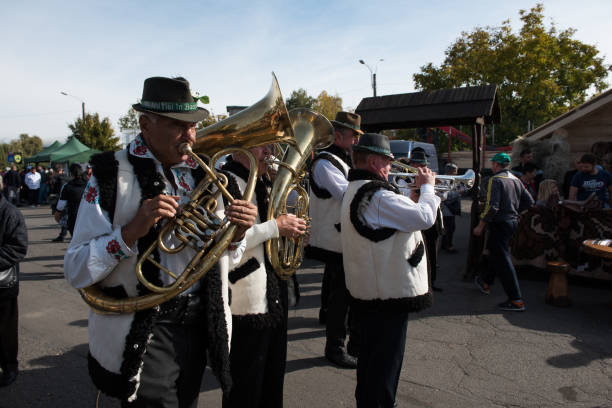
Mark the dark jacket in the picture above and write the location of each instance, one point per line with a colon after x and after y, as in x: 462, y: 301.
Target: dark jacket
x: 72, y: 193
x: 12, y: 179
x: 13, y: 242
x: 506, y: 198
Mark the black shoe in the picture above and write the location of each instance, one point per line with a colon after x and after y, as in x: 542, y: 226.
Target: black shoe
x: 323, y: 317
x: 352, y: 349
x: 512, y: 305
x: 342, y: 359
x: 8, y: 377
x: 58, y: 239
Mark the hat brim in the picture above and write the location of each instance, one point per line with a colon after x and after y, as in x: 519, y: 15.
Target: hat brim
x: 194, y: 116
x: 344, y: 125
x: 357, y: 148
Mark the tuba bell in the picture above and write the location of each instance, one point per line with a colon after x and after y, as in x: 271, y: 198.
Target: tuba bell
x: 196, y: 226
x: 312, y: 131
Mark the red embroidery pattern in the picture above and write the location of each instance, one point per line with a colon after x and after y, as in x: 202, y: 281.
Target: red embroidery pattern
x: 191, y: 162
x: 140, y: 150
x: 184, y: 184
x: 114, y: 248
x: 92, y: 195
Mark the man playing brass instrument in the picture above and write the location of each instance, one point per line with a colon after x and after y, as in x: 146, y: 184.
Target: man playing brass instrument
x: 328, y: 173
x: 259, y: 298
x: 385, y: 264
x: 154, y: 357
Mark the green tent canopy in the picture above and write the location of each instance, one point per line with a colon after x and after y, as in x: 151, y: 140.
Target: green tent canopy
x: 45, y: 151
x: 70, y: 148
x: 82, y: 157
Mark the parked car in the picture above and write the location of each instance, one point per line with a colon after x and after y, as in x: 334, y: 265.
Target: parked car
x: 403, y: 148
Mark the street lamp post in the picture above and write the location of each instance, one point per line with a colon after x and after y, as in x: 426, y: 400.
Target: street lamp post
x: 78, y: 99
x: 372, y: 73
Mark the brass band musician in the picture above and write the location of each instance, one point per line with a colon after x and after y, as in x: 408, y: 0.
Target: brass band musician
x: 155, y: 357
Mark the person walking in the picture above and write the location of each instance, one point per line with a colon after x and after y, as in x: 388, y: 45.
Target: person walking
x: 13, y: 248
x: 68, y: 204
x: 12, y: 182
x: 506, y: 199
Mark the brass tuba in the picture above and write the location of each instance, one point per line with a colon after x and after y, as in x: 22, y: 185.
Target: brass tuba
x: 196, y: 225
x: 312, y: 131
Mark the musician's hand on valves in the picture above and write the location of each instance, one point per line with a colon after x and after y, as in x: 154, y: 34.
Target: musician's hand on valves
x: 290, y: 226
x: 149, y: 213
x: 425, y: 176
x: 242, y: 214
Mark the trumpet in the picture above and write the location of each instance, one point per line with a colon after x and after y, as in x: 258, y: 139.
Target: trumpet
x: 443, y: 182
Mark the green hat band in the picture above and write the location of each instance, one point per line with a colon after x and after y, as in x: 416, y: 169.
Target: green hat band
x: 170, y: 106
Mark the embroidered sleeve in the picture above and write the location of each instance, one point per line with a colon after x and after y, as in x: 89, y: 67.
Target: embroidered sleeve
x: 96, y: 247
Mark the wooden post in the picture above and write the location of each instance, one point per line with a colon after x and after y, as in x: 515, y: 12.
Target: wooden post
x: 475, y: 243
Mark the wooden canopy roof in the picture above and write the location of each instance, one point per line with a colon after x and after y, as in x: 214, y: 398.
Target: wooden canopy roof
x: 443, y: 107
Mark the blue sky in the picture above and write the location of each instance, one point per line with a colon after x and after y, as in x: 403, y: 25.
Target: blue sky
x: 102, y: 51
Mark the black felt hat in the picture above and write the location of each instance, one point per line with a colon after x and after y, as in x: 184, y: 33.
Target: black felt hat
x: 374, y: 143
x: 170, y: 97
x: 418, y: 155
x: 348, y: 120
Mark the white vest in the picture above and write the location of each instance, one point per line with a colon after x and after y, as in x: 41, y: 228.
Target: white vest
x: 380, y: 270
x: 249, y: 293
x: 107, y: 333
x: 325, y: 218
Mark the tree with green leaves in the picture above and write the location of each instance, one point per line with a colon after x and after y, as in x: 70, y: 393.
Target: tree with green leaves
x: 328, y: 105
x: 300, y: 99
x: 541, y: 72
x: 26, y: 145
x: 95, y: 133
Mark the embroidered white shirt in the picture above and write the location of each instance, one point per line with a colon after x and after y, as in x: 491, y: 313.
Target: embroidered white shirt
x: 96, y: 248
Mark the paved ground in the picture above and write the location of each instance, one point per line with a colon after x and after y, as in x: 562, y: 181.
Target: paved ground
x: 460, y: 353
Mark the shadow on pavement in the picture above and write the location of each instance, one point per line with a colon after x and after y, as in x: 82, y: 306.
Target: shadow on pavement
x: 38, y: 276
x: 55, y: 381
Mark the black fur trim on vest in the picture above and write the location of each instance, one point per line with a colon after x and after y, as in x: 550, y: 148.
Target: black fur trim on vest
x: 321, y: 192
x: 323, y: 255
x: 115, y: 385
x: 417, y: 255
x: 232, y: 187
x: 243, y: 270
x: 407, y: 304
x: 105, y: 167
x: 341, y: 153
x: 218, y: 340
x: 275, y: 306
x: 359, y: 174
x: 362, y: 198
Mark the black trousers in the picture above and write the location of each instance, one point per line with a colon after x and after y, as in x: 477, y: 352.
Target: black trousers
x: 34, y: 196
x: 172, y: 367
x: 449, y: 228
x: 431, y: 247
x: 381, y: 353
x: 8, y: 333
x: 340, y: 319
x: 257, y: 361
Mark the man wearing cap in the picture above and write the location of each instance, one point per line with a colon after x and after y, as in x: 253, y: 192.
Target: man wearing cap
x: 155, y: 357
x: 506, y: 199
x: 328, y: 182
x: 418, y: 158
x: 385, y: 264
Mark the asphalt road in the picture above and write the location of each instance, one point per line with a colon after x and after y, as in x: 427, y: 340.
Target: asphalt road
x: 462, y: 352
